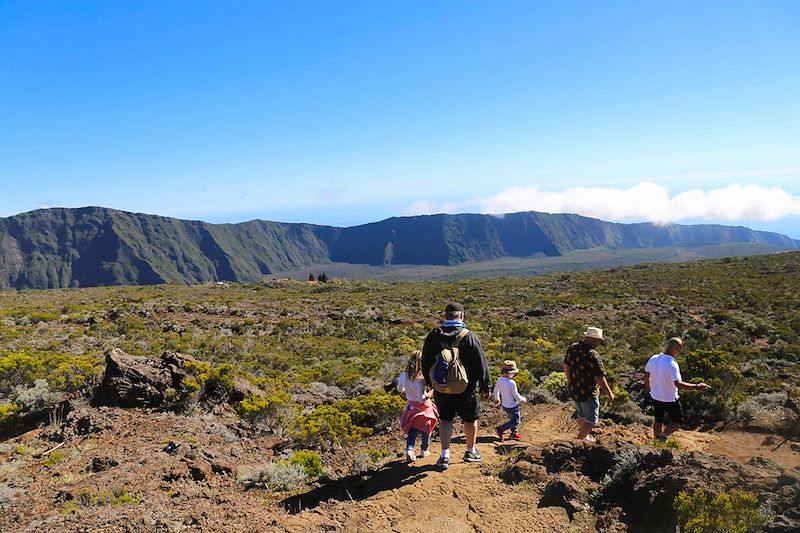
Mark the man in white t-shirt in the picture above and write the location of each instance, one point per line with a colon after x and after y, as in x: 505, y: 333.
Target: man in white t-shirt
x: 662, y: 379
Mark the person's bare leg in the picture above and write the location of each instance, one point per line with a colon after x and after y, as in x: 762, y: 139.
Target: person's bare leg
x: 584, y: 428
x: 471, y: 432
x: 671, y: 428
x: 445, y: 434
x: 658, y: 429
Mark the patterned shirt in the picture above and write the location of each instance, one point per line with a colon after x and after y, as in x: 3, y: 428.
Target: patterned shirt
x: 584, y: 365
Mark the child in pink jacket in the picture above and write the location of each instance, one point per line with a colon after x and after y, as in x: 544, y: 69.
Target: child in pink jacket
x: 420, y: 415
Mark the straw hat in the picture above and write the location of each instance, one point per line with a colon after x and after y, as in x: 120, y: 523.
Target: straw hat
x: 510, y: 367
x: 594, y: 333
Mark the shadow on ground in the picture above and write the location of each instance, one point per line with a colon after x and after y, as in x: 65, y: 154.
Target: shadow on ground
x: 393, y: 475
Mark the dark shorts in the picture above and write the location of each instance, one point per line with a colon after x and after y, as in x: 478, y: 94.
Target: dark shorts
x: 463, y: 405
x: 673, y: 409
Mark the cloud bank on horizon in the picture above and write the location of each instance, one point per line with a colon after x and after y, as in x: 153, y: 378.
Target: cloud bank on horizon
x: 644, y: 202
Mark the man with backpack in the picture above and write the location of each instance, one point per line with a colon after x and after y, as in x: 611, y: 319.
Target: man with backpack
x: 454, y: 365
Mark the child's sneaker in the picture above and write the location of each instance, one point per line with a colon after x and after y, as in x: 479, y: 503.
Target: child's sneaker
x: 443, y: 463
x: 472, y: 457
x: 410, y: 457
x: 589, y: 438
x: 499, y: 433
x: 425, y: 453
x: 516, y: 436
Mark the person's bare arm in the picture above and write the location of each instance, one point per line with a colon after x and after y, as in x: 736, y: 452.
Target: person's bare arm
x: 647, y: 381
x: 566, y: 370
x: 603, y: 383
x: 692, y: 386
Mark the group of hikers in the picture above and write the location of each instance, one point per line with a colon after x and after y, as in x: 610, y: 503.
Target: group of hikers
x: 451, y: 370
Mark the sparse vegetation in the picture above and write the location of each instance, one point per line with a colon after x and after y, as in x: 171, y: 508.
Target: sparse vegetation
x: 367, y: 459
x: 737, y: 317
x: 54, y: 458
x: 276, y: 477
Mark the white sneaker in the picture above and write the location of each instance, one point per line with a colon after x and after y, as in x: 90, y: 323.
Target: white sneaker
x: 410, y: 455
x: 425, y: 453
x: 589, y: 438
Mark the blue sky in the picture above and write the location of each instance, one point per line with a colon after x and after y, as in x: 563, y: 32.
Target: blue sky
x: 349, y: 112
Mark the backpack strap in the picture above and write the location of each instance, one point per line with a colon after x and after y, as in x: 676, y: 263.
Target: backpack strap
x: 461, y: 334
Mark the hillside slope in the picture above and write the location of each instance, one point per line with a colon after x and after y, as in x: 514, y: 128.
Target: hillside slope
x: 94, y: 246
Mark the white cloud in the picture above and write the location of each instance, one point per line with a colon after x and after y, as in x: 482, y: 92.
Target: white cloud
x: 329, y: 194
x: 642, y: 202
x: 421, y: 208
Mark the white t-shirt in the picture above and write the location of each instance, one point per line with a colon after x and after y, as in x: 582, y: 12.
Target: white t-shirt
x: 414, y: 388
x: 506, y: 389
x: 664, y: 372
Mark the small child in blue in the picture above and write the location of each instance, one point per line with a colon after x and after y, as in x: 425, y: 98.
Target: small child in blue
x: 505, y: 392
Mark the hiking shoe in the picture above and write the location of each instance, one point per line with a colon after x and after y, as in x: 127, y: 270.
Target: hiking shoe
x: 410, y: 457
x: 589, y: 438
x: 662, y: 438
x: 499, y: 433
x: 472, y: 457
x: 443, y: 463
x: 516, y: 436
x: 425, y: 453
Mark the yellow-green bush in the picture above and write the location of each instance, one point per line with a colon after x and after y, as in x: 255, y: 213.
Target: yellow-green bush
x: 326, y: 427
x: 272, y: 411
x: 64, y: 372
x: 556, y: 384
x: 54, y: 458
x: 309, y: 460
x: 727, y: 512
x: 7, y: 411
x: 377, y: 410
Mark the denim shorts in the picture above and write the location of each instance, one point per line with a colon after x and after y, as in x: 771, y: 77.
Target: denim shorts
x: 589, y: 411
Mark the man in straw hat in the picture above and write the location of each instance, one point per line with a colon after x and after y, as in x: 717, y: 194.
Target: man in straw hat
x: 585, y: 372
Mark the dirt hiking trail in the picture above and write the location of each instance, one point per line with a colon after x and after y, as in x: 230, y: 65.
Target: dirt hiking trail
x: 416, y: 497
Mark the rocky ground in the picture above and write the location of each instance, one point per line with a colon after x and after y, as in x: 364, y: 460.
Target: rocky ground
x: 140, y: 470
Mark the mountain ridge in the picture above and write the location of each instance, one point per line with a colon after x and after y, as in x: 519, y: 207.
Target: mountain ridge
x: 91, y: 246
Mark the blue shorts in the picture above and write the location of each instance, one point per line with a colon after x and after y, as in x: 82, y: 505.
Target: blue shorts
x: 589, y: 411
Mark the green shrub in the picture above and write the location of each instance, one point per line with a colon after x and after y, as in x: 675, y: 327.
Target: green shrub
x: 18, y: 369
x: 556, y: 384
x: 54, y: 458
x: 367, y: 459
x: 727, y: 512
x: 118, y: 496
x: 272, y: 411
x: 35, y: 397
x: 276, y: 477
x: 669, y: 444
x: 8, y: 411
x: 326, y: 427
x: 310, y: 461
x: 115, y: 497
x: 64, y: 372
x: 718, y: 369
x: 377, y: 410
